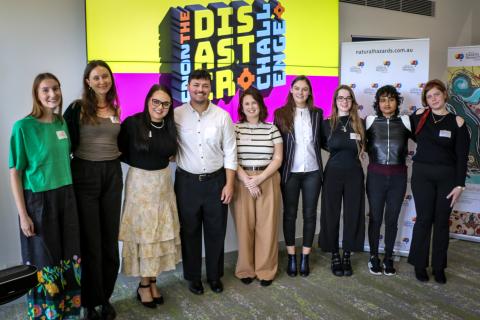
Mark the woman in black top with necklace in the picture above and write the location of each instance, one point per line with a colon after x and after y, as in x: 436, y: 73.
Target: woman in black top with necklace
x: 149, y: 228
x: 438, y: 178
x: 343, y: 180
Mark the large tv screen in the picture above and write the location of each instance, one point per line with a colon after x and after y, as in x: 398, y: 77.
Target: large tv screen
x: 241, y: 43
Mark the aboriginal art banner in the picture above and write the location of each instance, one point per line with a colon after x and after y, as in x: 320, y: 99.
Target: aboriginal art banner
x: 464, y: 100
x: 367, y: 66
x: 260, y: 43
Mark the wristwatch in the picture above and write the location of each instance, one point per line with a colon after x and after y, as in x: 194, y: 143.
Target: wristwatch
x: 460, y: 187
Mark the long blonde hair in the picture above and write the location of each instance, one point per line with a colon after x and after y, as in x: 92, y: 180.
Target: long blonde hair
x: 355, y: 120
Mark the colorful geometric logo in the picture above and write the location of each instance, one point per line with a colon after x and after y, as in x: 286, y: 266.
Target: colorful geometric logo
x: 414, y: 62
x: 386, y: 63
x: 360, y: 64
x: 459, y: 56
x: 239, y: 44
x: 352, y: 85
x: 374, y: 85
x: 397, y: 85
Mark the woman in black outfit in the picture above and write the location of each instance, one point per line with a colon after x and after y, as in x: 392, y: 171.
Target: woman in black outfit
x: 438, y: 178
x: 345, y: 139
x: 300, y: 124
x: 93, y: 123
x: 387, y: 146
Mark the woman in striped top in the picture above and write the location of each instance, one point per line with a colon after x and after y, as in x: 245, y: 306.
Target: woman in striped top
x: 256, y: 202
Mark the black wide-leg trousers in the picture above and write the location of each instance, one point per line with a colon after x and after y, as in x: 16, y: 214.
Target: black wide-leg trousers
x: 98, y: 189
x: 342, y: 185
x: 430, y: 186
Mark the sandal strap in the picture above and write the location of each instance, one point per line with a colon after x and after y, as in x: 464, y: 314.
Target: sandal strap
x: 153, y: 280
x: 143, y: 285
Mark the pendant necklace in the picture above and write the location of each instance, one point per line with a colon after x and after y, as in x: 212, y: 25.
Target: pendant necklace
x: 160, y: 126
x: 344, y: 126
x: 435, y: 121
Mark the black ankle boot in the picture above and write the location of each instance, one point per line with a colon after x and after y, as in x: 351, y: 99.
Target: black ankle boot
x: 304, y: 265
x: 347, y: 265
x: 292, y: 265
x: 337, y: 267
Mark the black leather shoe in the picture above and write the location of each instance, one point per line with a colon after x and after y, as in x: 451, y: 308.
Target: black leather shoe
x: 292, y: 265
x: 196, y: 287
x: 421, y: 275
x: 216, y: 286
x: 265, y: 283
x: 337, y: 267
x: 108, y: 312
x: 246, y: 280
x: 347, y: 265
x: 439, y: 276
x: 304, y: 265
x: 91, y: 314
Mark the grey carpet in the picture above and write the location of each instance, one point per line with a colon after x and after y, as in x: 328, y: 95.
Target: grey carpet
x: 319, y: 296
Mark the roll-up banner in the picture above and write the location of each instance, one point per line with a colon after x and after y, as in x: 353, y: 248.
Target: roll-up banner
x: 464, y: 100
x: 367, y: 66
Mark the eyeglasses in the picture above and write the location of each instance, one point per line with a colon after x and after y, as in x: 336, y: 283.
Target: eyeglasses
x: 164, y: 104
x: 341, y: 99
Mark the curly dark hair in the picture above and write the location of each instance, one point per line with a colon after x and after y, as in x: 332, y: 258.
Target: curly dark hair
x: 387, y: 91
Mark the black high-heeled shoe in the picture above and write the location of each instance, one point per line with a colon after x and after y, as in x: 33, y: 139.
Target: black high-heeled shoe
x: 292, y: 265
x: 157, y: 300
x: 148, y: 304
x: 304, y: 265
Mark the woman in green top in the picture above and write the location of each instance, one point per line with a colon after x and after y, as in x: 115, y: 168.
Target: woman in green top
x: 41, y: 183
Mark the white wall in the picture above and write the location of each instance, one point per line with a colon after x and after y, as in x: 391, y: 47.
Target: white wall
x: 35, y: 36
x: 49, y: 35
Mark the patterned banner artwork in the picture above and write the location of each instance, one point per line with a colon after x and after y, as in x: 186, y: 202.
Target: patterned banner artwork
x: 464, y: 100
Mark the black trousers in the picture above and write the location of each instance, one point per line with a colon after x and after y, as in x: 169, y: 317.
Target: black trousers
x: 385, y: 195
x: 199, y: 205
x: 98, y: 188
x: 342, y: 184
x: 430, y: 186
x: 310, y: 184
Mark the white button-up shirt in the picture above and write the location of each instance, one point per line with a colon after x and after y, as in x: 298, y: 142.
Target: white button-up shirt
x: 207, y: 141
x: 305, y: 159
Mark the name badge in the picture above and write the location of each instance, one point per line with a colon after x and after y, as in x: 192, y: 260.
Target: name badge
x: 61, y: 135
x: 445, y: 134
x: 114, y: 119
x: 354, y: 136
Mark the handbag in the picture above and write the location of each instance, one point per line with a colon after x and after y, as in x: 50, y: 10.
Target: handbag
x: 17, y: 281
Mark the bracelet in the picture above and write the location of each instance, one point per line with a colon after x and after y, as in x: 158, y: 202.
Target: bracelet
x: 460, y: 187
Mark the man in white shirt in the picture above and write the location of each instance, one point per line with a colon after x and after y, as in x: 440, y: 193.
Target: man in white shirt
x: 204, y: 180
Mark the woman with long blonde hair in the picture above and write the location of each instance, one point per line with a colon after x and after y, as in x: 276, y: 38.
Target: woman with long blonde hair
x: 343, y: 182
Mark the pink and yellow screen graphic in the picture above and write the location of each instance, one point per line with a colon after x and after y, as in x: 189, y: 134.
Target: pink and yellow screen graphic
x: 241, y: 43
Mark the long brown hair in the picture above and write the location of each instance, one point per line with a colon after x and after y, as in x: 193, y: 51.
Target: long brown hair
x: 257, y: 96
x: 38, y: 110
x: 285, y: 115
x: 356, y: 121
x: 89, y: 99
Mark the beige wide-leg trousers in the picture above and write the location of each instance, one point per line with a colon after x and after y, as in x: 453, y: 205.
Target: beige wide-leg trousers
x: 256, y: 221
